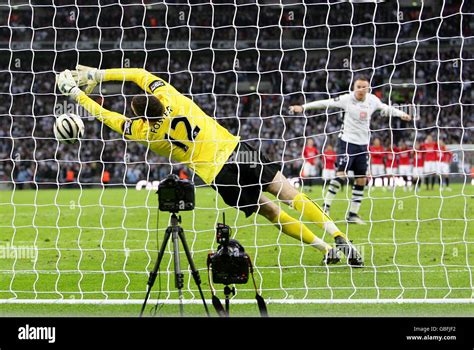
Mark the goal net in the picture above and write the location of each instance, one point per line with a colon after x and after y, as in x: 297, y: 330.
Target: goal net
x: 79, y: 223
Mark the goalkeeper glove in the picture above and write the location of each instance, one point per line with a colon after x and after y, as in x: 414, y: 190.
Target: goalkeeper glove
x: 66, y: 84
x: 86, y: 76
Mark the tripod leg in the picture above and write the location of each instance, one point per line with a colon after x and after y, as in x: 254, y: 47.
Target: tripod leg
x: 227, y: 292
x: 179, y: 277
x: 154, y: 272
x: 194, y: 271
x: 227, y: 305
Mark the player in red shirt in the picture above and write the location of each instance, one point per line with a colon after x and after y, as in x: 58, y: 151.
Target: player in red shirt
x: 404, y: 156
x: 377, y: 155
x: 329, y: 161
x: 431, y: 156
x: 418, y: 166
x: 310, y: 154
x: 391, y: 164
x: 446, y: 156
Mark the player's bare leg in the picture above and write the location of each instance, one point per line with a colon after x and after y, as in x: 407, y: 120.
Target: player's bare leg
x: 374, y: 180
x: 283, y: 190
x: 446, y: 182
x: 386, y: 182
x: 296, y: 229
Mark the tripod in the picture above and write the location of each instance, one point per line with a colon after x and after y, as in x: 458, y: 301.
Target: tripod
x: 175, y: 232
x: 228, y: 292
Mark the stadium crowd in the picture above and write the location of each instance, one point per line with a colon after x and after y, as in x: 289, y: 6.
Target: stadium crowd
x: 434, y: 83
x: 245, y: 20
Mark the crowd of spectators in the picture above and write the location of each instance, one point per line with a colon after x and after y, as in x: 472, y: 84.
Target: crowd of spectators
x: 248, y: 91
x: 225, y: 20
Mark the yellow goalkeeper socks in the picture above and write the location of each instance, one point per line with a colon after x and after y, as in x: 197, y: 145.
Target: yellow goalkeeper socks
x: 313, y: 212
x: 296, y: 229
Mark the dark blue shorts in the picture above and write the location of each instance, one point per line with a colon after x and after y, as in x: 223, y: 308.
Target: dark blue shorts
x: 352, y: 157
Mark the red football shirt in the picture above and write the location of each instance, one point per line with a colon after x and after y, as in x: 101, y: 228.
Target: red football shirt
x: 329, y: 160
x: 446, y: 155
x: 310, y: 154
x: 419, y: 160
x: 404, y: 156
x: 430, y: 152
x: 377, y: 153
x: 391, y: 160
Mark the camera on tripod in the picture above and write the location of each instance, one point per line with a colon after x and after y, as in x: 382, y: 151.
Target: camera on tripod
x: 175, y: 194
x: 230, y: 264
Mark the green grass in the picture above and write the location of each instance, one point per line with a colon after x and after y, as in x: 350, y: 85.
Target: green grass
x: 275, y: 310
x: 99, y: 244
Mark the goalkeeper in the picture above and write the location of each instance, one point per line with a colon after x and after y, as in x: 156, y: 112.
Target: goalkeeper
x: 172, y: 125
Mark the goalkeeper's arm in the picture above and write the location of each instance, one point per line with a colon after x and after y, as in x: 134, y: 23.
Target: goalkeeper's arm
x: 68, y: 87
x: 146, y: 81
x: 113, y: 120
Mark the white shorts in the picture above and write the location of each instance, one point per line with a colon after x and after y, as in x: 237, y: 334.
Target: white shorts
x: 418, y: 171
x: 405, y: 170
x: 444, y: 168
x: 309, y: 170
x: 430, y: 168
x: 377, y: 170
x: 329, y: 174
x: 391, y: 171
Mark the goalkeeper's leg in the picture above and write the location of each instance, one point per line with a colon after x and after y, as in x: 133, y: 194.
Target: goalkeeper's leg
x: 296, y: 229
x: 283, y: 190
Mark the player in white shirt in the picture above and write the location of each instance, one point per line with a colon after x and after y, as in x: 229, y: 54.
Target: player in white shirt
x: 354, y: 139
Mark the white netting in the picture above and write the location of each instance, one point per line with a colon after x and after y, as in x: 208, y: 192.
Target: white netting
x: 78, y: 221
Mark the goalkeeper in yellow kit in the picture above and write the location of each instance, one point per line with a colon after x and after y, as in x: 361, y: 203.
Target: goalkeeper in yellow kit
x: 172, y: 125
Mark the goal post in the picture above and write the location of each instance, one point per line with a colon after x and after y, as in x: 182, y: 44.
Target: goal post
x: 79, y: 223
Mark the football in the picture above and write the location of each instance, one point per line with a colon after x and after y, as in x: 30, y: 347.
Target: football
x: 68, y: 128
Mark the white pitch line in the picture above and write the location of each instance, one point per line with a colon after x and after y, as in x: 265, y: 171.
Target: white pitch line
x: 236, y: 301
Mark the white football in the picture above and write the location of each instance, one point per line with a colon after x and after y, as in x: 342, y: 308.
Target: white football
x: 68, y: 128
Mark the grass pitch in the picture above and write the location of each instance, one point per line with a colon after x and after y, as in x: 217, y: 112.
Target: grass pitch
x: 99, y: 244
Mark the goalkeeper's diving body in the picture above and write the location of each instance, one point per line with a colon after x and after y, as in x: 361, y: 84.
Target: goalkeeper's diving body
x: 172, y: 125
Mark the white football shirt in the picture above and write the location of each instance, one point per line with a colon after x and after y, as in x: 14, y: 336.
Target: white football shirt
x: 357, y: 114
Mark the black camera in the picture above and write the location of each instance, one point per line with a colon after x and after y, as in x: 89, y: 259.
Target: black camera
x: 175, y: 194
x: 230, y: 264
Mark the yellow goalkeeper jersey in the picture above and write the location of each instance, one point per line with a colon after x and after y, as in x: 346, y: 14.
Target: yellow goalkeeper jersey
x: 185, y: 134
